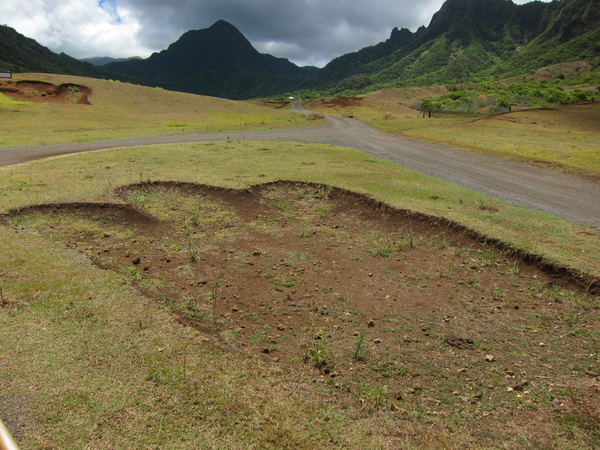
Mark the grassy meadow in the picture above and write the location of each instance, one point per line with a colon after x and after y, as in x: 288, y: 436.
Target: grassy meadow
x: 562, y: 137
x: 87, y: 361
x: 122, y: 110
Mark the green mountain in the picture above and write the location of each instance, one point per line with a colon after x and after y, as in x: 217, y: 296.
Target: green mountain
x: 21, y: 54
x: 467, y: 38
x: 216, y: 61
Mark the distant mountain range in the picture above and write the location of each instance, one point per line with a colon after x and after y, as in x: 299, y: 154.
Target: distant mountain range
x: 465, y: 38
x: 103, y: 60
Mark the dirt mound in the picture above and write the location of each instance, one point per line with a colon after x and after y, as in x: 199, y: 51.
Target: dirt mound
x: 43, y: 92
x: 377, y: 306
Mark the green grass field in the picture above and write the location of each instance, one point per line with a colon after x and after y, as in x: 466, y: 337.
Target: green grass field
x: 87, y: 361
x: 122, y: 110
x: 563, y: 138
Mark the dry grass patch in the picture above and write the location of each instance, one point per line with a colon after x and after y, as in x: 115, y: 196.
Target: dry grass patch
x: 95, y: 351
x: 122, y: 110
x: 563, y: 138
x: 288, y: 315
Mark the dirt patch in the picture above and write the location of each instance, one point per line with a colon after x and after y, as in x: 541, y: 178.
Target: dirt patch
x: 275, y: 104
x: 43, y: 92
x: 343, y: 102
x: 378, y: 308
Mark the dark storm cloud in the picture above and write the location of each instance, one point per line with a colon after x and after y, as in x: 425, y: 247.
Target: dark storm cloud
x: 305, y: 31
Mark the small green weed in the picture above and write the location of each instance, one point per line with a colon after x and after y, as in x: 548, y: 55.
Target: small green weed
x: 359, y: 352
x: 318, y: 353
x: 138, y: 197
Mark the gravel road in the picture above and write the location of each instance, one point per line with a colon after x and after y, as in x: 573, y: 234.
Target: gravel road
x: 567, y: 196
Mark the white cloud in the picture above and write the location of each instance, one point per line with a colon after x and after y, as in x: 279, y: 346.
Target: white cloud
x: 79, y: 28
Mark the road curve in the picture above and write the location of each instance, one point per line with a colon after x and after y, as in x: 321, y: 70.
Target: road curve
x: 567, y: 196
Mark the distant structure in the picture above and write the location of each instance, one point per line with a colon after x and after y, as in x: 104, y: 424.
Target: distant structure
x: 5, y: 75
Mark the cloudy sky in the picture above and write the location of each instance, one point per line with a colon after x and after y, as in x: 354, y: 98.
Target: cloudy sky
x: 308, y: 32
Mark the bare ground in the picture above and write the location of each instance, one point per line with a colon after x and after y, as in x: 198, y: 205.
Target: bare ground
x: 43, y: 92
x: 382, y: 310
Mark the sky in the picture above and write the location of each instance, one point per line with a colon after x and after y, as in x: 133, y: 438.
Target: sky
x: 307, y: 32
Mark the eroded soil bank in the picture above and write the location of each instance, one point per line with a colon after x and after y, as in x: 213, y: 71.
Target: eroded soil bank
x: 378, y: 308
x: 43, y: 92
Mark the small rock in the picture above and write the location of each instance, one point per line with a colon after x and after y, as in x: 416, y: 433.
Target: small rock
x: 371, y: 323
x: 542, y: 344
x: 136, y: 261
x: 377, y: 341
x: 521, y: 385
x: 266, y: 350
x: 281, y: 327
x: 489, y: 358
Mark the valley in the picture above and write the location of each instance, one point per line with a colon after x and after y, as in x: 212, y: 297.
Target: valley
x: 215, y: 248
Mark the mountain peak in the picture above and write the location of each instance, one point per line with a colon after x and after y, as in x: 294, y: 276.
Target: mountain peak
x: 201, y: 61
x: 222, y: 24
x: 400, y: 35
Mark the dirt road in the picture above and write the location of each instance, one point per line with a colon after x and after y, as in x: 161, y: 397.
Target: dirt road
x: 567, y: 196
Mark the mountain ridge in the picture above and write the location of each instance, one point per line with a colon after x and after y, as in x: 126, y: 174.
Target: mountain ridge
x: 464, y: 39
x: 22, y: 54
x: 204, y: 61
x: 468, y: 38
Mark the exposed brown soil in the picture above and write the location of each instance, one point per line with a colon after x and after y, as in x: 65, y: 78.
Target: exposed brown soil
x: 43, y: 92
x: 345, y: 102
x: 382, y: 309
x: 276, y: 104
